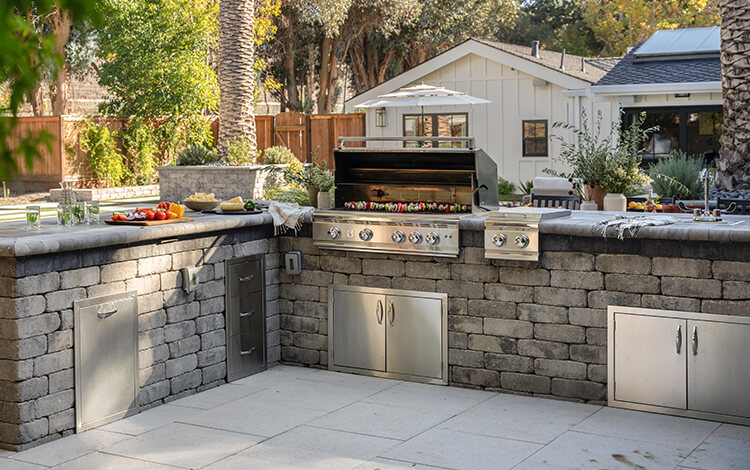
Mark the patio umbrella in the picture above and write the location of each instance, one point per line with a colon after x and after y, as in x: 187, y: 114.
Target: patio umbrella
x: 422, y: 95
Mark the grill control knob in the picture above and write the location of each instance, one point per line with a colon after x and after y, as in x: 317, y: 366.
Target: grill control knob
x: 522, y: 241
x: 334, y: 233
x: 415, y: 238
x: 365, y: 234
x: 398, y: 236
x: 432, y: 238
x: 499, y: 240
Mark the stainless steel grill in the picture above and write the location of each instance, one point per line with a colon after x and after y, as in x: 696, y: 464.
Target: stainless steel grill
x: 395, y: 181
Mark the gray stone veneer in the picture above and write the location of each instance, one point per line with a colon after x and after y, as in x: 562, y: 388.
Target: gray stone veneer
x: 182, y: 337
x: 537, y: 328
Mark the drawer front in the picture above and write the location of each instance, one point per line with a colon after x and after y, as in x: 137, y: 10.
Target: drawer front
x: 245, y: 354
x: 246, y: 276
x: 245, y: 312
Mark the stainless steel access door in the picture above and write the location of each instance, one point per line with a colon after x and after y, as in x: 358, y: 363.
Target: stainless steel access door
x: 413, y: 336
x: 719, y: 367
x: 358, y: 330
x: 106, y: 358
x: 649, y: 360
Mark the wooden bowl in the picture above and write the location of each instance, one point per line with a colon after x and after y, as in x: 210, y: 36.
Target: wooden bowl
x: 202, y: 205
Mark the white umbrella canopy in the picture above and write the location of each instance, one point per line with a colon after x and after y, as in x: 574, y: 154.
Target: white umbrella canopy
x: 422, y: 95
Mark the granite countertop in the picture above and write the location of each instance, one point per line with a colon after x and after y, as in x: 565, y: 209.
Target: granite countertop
x: 15, y: 240
x: 583, y: 224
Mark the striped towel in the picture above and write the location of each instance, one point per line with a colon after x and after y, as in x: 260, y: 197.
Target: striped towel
x: 632, y: 224
x: 288, y: 215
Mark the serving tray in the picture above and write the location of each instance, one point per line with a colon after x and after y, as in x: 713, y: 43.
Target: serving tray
x: 220, y: 212
x: 149, y: 222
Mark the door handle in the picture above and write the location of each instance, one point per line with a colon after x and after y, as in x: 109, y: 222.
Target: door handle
x: 379, y: 312
x: 391, y: 313
x: 247, y: 314
x: 103, y: 315
x: 678, y: 339
x: 249, y: 351
x: 247, y: 278
x: 694, y: 341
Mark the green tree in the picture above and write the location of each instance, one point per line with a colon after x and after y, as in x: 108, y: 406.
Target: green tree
x: 557, y: 24
x: 620, y: 24
x: 156, y: 57
x: 24, y: 54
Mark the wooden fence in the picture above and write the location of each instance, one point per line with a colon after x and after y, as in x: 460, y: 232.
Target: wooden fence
x: 301, y: 133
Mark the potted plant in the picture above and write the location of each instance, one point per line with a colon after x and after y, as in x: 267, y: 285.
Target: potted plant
x: 586, y: 156
x: 323, y: 179
x: 585, y: 190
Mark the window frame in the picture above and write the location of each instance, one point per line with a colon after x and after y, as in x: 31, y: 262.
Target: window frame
x: 435, y: 127
x: 526, y: 154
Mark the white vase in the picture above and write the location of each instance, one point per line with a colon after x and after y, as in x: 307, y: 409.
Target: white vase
x: 325, y: 201
x: 589, y: 206
x: 615, y: 202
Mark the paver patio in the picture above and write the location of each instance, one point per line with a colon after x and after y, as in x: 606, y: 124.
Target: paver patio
x: 293, y: 417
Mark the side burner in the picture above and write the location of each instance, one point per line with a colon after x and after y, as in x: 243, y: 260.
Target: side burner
x: 513, y: 233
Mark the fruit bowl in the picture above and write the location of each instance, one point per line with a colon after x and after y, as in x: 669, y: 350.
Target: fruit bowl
x: 202, y: 205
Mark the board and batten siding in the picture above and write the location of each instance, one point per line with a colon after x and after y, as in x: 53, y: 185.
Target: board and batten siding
x: 495, y: 126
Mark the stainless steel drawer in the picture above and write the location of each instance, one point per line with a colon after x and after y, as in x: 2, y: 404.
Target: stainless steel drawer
x: 247, y: 353
x: 246, y: 312
x: 106, y: 359
x: 245, y: 277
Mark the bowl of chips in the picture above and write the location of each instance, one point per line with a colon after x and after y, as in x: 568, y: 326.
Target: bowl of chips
x: 202, y: 202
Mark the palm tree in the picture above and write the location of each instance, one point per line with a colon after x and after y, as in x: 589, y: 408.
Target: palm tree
x: 733, y: 170
x: 236, y: 72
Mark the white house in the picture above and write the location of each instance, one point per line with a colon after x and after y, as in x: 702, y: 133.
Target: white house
x: 675, y: 77
x: 525, y: 86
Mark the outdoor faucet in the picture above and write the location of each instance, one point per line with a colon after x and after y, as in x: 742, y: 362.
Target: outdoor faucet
x: 704, y: 179
x: 706, y: 215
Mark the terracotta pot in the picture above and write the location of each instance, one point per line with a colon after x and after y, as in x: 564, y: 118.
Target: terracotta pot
x: 616, y: 202
x: 312, y: 195
x: 595, y: 194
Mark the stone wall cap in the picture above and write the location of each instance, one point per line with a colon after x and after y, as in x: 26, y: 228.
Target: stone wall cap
x: 16, y: 241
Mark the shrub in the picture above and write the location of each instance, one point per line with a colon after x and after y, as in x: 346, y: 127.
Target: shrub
x: 142, y: 151
x: 240, y: 152
x: 104, y: 161
x: 196, y: 155
x: 278, y: 155
x: 504, y: 186
x: 287, y: 194
x: 677, y: 175
x: 526, y: 187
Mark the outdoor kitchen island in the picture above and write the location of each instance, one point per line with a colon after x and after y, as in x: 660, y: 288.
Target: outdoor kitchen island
x: 524, y: 327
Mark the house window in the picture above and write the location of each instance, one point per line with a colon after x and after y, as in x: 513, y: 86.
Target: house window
x: 436, y: 125
x: 535, y: 138
x: 695, y: 130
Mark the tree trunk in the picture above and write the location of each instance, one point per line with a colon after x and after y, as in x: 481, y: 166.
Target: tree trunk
x: 60, y: 23
x: 236, y: 72
x: 733, y: 168
x: 289, y: 20
x: 326, y: 48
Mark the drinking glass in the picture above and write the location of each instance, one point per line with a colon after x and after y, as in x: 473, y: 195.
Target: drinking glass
x: 79, y: 212
x: 33, y: 217
x: 92, y: 212
x: 64, y: 215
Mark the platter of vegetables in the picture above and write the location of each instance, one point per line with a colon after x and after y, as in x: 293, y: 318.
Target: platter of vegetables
x: 165, y: 213
x: 406, y: 207
x: 236, y: 206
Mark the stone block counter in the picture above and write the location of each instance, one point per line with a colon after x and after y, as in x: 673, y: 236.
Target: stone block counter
x: 535, y: 328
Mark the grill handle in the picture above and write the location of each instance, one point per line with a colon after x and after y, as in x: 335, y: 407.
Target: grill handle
x: 469, y: 140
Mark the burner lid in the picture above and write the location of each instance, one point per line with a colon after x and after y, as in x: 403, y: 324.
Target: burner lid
x: 529, y: 214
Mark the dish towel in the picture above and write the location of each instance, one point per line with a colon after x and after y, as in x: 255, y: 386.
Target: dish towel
x: 288, y: 215
x: 632, y: 225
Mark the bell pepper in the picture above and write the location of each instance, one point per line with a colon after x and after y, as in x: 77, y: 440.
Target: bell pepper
x: 177, y: 209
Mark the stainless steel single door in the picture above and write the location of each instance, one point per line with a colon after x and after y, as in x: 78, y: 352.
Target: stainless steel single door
x: 106, y: 359
x: 413, y: 336
x: 358, y: 330
x: 718, y: 367
x: 649, y: 360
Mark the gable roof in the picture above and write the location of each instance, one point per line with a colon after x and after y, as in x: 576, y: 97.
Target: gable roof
x: 546, y: 67
x: 595, y: 68
x: 631, y: 72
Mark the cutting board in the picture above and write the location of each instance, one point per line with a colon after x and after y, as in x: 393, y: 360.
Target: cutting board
x: 149, y: 222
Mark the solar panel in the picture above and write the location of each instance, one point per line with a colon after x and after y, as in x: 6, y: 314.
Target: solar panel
x: 680, y: 44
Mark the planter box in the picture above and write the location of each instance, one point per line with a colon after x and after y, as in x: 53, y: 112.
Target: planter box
x: 176, y: 183
x: 103, y: 194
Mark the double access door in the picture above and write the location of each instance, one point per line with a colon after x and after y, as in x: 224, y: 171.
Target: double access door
x: 245, y: 317
x: 684, y: 363
x: 389, y: 333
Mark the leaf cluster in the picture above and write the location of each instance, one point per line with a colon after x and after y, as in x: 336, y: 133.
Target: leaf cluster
x: 677, y: 175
